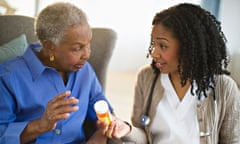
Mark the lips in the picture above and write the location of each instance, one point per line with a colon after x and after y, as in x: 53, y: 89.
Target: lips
x: 160, y: 65
x: 78, y: 66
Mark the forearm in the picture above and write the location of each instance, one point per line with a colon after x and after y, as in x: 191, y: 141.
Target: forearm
x: 32, y: 131
x: 136, y: 135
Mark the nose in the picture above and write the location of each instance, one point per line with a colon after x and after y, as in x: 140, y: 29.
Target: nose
x: 86, y: 52
x: 156, y: 52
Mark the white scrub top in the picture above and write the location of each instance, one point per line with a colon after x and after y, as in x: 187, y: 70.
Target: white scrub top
x: 175, y: 121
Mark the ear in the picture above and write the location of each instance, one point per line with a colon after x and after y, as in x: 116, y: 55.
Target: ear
x: 48, y: 45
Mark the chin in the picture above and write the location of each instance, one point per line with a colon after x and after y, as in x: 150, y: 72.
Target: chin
x: 74, y: 70
x: 163, y: 71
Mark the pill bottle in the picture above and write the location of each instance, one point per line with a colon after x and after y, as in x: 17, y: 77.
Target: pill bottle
x: 102, y: 111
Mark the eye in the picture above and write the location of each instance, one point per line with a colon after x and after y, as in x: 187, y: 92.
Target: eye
x: 77, y: 49
x: 163, y: 47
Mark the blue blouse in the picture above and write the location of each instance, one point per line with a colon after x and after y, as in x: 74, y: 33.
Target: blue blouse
x: 26, y: 86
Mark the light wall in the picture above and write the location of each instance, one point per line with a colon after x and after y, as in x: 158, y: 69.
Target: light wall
x: 131, y: 19
x: 229, y: 18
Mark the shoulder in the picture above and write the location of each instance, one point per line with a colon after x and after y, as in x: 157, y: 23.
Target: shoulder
x: 145, y: 75
x: 145, y: 70
x: 12, y: 65
x: 225, y: 81
x: 227, y: 88
x: 87, y: 67
x: 12, y: 72
x: 87, y: 70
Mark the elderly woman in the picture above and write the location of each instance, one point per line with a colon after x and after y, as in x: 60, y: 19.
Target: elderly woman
x: 48, y: 93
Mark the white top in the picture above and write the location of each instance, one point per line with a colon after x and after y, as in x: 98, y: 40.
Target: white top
x: 175, y: 121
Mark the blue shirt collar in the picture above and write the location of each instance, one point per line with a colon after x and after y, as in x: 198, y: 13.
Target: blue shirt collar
x: 35, y: 65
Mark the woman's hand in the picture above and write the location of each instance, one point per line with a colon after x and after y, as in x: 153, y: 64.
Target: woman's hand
x: 57, y: 109
x: 116, y: 130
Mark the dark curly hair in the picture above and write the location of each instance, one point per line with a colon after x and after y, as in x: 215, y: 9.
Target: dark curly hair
x: 202, y: 53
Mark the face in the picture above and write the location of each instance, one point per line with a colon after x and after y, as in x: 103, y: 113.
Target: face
x: 74, y: 50
x: 165, y: 49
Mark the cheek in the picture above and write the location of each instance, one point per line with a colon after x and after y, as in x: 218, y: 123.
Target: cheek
x: 73, y: 59
x: 70, y: 59
x: 171, y: 58
x: 88, y: 54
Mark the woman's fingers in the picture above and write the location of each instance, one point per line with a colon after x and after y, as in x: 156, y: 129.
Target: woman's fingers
x: 60, y: 108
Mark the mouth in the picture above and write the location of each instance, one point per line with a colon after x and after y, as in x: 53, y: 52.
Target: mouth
x: 160, y: 65
x: 78, y: 66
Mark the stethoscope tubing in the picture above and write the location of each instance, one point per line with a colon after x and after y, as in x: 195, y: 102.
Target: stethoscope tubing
x: 145, y: 119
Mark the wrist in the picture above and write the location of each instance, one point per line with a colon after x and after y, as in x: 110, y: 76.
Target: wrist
x: 129, y: 125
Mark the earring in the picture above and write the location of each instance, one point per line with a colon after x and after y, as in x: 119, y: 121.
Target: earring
x: 51, y: 58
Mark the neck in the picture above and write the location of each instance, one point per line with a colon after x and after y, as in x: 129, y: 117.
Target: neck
x: 179, y: 89
x: 45, y: 61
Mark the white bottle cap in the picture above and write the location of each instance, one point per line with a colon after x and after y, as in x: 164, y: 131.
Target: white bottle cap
x: 101, y: 106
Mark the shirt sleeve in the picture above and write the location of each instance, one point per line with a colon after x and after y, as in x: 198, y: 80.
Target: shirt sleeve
x: 230, y: 115
x: 11, y: 134
x: 9, y: 130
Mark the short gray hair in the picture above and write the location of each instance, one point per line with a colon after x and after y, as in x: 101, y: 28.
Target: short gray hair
x: 53, y: 20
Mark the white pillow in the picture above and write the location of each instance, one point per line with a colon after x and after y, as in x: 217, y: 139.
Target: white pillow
x: 13, y: 48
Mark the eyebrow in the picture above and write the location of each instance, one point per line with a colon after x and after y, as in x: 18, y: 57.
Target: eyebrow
x: 162, y: 38
x: 76, y: 43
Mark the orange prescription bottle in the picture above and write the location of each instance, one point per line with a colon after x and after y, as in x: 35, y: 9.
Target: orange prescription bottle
x: 102, y: 111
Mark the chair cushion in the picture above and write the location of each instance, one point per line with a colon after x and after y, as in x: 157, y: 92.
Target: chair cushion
x: 13, y: 48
